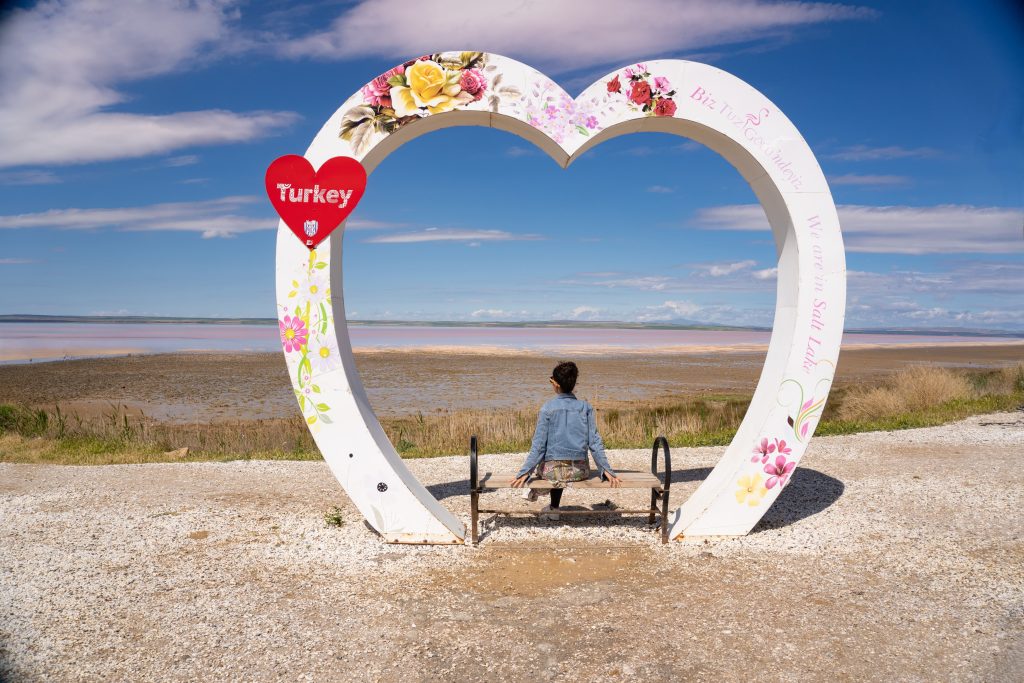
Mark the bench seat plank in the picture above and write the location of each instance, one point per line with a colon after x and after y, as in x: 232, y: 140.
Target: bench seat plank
x: 630, y: 480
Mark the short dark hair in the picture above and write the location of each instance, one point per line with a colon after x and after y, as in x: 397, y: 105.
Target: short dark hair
x: 565, y: 374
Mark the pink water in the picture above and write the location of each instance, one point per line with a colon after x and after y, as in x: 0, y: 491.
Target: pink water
x: 20, y: 342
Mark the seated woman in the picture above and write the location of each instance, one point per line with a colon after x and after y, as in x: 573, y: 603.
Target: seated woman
x: 566, y: 430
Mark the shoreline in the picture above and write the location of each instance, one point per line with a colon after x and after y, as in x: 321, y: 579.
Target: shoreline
x: 194, y: 387
x: 588, y: 351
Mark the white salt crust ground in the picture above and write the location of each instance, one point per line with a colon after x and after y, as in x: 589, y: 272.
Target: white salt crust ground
x: 889, y: 556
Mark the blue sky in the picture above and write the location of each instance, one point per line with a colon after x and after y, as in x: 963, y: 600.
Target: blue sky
x: 133, y: 144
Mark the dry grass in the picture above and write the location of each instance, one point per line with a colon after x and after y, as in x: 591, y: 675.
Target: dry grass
x: 922, y: 387
x: 907, y: 391
x: 686, y: 422
x: 917, y: 396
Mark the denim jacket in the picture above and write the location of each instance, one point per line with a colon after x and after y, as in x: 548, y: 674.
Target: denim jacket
x: 566, y: 429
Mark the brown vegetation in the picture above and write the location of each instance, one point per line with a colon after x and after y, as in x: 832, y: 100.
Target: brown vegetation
x: 918, y: 388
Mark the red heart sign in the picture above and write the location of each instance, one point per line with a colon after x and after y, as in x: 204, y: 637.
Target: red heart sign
x: 313, y: 203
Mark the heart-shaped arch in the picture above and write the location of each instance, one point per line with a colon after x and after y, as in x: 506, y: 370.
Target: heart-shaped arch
x: 673, y: 96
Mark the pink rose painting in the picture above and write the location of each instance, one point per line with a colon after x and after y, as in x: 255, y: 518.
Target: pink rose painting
x: 473, y: 83
x: 665, y: 107
x: 378, y: 91
x: 640, y: 93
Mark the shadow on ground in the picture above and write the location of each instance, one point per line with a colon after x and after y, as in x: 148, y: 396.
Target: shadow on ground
x: 807, y: 493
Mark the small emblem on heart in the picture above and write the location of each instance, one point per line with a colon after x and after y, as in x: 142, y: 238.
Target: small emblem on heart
x: 313, y: 203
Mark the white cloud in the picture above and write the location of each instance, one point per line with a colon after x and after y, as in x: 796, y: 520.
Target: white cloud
x: 29, y: 178
x: 211, y: 218
x: 16, y: 261
x: 951, y: 228
x: 515, y: 151
x: 560, y: 34
x: 868, y: 180
x: 704, y: 277
x: 452, y: 235
x: 670, y: 310
x: 498, y: 314
x: 723, y: 269
x: 489, y: 313
x: 975, y: 293
x: 865, y: 153
x: 642, y: 151
x: 654, y: 283
x: 660, y: 189
x: 183, y: 160
x: 584, y: 313
x: 969, y: 277
x: 63, y: 66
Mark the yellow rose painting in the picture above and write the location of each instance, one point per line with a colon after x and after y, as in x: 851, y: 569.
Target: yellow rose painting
x: 430, y: 86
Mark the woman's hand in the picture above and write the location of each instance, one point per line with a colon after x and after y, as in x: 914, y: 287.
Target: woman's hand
x: 613, y: 480
x: 518, y: 483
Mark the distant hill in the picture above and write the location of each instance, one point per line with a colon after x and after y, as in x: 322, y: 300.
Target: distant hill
x: 139, y: 319
x: 678, y: 324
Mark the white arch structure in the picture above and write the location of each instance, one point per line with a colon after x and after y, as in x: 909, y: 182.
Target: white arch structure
x: 685, y: 98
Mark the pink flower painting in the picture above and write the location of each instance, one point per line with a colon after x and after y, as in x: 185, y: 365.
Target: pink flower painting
x: 294, y: 333
x: 377, y: 92
x: 808, y: 411
x: 782, y: 448
x: 778, y: 472
x: 650, y: 94
x: 763, y: 450
x: 473, y: 83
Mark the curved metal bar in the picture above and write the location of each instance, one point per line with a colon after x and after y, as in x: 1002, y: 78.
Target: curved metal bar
x: 663, y: 443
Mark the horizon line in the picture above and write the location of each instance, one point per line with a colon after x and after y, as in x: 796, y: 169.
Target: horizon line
x: 683, y: 324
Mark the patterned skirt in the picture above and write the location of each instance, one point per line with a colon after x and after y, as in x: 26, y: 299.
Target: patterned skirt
x: 559, y: 472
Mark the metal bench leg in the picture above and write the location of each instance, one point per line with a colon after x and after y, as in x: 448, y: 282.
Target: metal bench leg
x: 654, y: 506
x: 474, y: 502
x: 664, y: 517
x: 474, y: 485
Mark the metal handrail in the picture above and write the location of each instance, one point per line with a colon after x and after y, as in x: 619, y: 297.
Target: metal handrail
x: 663, y: 443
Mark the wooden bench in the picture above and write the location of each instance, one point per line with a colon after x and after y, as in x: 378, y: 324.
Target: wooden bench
x: 659, y: 486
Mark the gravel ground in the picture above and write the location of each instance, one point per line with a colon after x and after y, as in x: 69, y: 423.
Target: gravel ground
x: 890, y: 556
